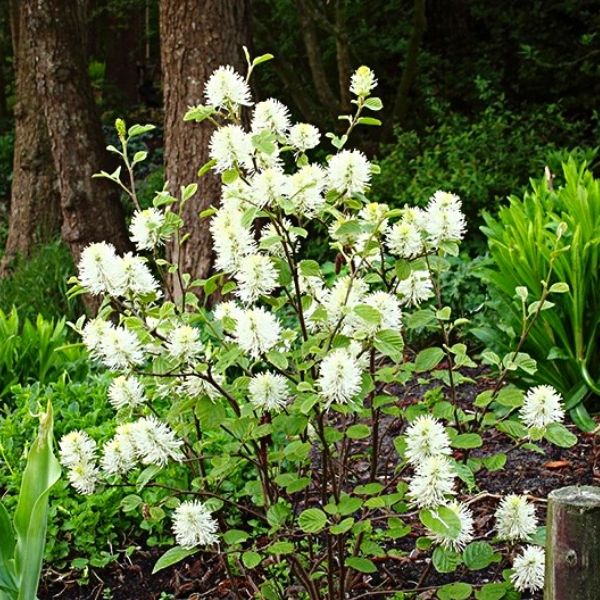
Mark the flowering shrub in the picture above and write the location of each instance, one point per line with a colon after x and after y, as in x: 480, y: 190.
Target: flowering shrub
x: 285, y: 398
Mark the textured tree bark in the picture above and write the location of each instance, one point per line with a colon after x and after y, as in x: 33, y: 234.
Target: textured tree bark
x: 573, y: 544
x: 35, y: 200
x: 91, y: 208
x: 409, y: 72
x: 315, y: 59
x: 196, y: 37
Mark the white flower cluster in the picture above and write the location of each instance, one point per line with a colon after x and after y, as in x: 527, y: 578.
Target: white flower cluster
x: 101, y: 271
x: 147, y: 441
x: 193, y: 525
x: 528, y: 569
x: 541, y: 407
x: 515, y: 519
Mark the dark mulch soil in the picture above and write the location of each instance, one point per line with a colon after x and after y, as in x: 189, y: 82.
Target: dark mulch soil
x: 204, y: 577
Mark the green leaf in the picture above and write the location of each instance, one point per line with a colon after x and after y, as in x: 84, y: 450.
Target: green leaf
x: 479, y: 555
x: 467, y: 441
x: 445, y: 561
x: 136, y: 130
x: 172, y: 556
x: 342, y: 527
x: 368, y: 314
x: 262, y: 59
x: 251, y: 559
x: 198, y: 113
x: 559, y: 288
x: 559, y: 435
x: 514, y: 429
x: 369, y: 121
x: 363, y: 565
x: 428, y: 359
x: 495, y: 462
x: 281, y: 548
x: 312, y: 520
x: 358, y: 432
x: 389, y: 343
x: 455, y: 591
x: 373, y: 103
x: 130, y: 502
x: 235, y: 536
x: 31, y: 516
x: 309, y: 268
x: 492, y: 591
x: 441, y: 520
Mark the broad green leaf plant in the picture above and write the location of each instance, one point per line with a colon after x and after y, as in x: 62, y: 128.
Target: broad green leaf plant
x: 22, y: 539
x: 287, y: 393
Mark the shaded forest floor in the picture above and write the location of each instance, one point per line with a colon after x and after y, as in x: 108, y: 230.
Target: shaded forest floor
x: 203, y: 575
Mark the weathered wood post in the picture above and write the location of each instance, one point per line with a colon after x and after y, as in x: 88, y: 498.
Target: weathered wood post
x: 573, y: 544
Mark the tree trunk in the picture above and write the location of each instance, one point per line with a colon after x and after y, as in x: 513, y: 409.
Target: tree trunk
x: 35, y: 200
x: 91, y: 208
x: 196, y: 37
x: 409, y: 72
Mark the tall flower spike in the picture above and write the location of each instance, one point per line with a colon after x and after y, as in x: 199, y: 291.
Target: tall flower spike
x: 193, y: 525
x: 515, y: 518
x: 541, y: 407
x: 425, y: 437
x: 432, y: 482
x: 268, y: 391
x: 528, y: 569
x: 226, y: 88
x: 340, y: 377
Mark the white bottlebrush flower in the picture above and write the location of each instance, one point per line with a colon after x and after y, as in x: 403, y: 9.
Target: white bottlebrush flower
x: 432, y: 482
x: 231, y: 146
x: 303, y: 136
x: 515, y: 518
x: 229, y: 309
x: 77, y: 447
x: 342, y: 298
x: 120, y: 348
x: 270, y: 115
x: 445, y: 221
x: 146, y: 228
x: 226, y: 88
x: 363, y: 81
x: 373, y: 214
x: 136, y: 278
x: 416, y: 288
x: 83, y: 477
x: 269, y: 234
x: 528, y: 569
x: 183, y: 343
x: 93, y: 335
x: 425, y: 437
x: 118, y: 457
x: 98, y: 272
x: 197, y: 387
x: 404, y: 239
x: 340, y: 377
x: 154, y: 441
x: 126, y: 391
x: 256, y: 277
x: 306, y: 190
x: 268, y: 187
x: 541, y: 407
x: 268, y: 391
x: 386, y: 305
x: 349, y: 172
x: 257, y: 331
x: 231, y: 239
x: 464, y: 535
x: 193, y: 525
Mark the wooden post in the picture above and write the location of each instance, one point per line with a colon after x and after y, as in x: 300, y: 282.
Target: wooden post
x: 573, y: 544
